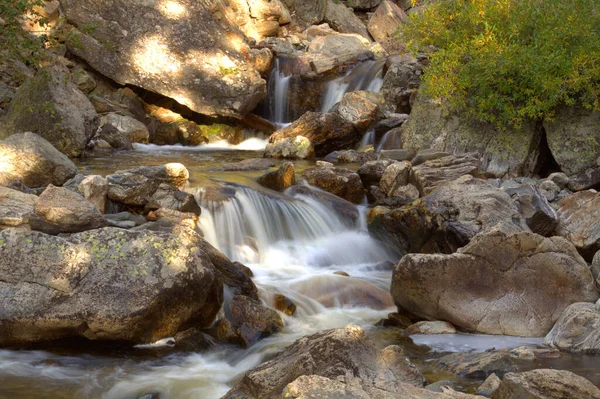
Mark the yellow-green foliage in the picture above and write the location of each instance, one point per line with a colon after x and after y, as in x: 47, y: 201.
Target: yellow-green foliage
x: 505, y: 61
x: 14, y: 42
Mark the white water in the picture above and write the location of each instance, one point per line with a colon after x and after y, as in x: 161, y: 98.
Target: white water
x: 277, y: 94
x: 250, y: 144
x: 367, y: 138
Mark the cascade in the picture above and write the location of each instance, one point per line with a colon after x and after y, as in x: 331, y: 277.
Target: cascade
x: 277, y: 93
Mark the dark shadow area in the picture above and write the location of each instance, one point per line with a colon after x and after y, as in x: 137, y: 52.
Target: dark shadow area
x: 546, y: 164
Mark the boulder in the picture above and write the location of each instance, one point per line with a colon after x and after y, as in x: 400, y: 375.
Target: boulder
x: 251, y: 320
x: 478, y: 365
x: 35, y: 161
x: 283, y: 304
x: 385, y: 21
x: 577, y: 330
x: 505, y: 153
x: 596, y: 267
x: 134, y: 130
x: 342, y: 19
x: 16, y: 207
x: 397, y: 155
x: 169, y: 218
x: 448, y: 218
x: 430, y: 327
x: 351, y: 156
x: 574, y: 138
x: 59, y: 210
x: 361, y: 108
x: 101, y: 285
x: 298, y: 147
x: 589, y: 178
x: 345, y: 351
x: 489, y: 386
x: 326, y: 132
x: 136, y: 186
x: 326, y: 53
x: 308, y: 12
x: 371, y: 172
x: 52, y: 106
x: 94, y: 188
x: 407, y: 193
x: 395, y: 175
x: 114, y: 137
x: 279, y: 179
x: 363, y: 4
x: 402, y: 79
x: 429, y: 175
x: 189, y: 51
x: 533, y: 205
x: 169, y: 197
x: 245, y: 165
x: 342, y: 182
x: 579, y: 221
x: 545, y: 384
x: 505, y: 281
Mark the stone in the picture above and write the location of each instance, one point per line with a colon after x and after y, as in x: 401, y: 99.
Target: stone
x: 308, y: 12
x: 534, y: 352
x: 326, y: 132
x: 428, y: 155
x: 433, y: 173
x: 401, y: 80
x: 326, y: 53
x: 245, y: 165
x: 397, y: 155
x: 298, y: 147
x: 371, y: 172
x: 545, y: 384
x: 363, y: 4
x: 318, y: 30
x: 134, y: 130
x: 385, y: 20
x: 351, y: 156
x: 169, y: 197
x: 84, y: 80
x: 280, y: 179
x: 16, y: 207
x: 585, y: 180
x: 283, y: 304
x: 549, y: 190
x: 52, y: 106
x: 136, y: 186
x: 193, y: 340
x: 191, y: 52
x: 35, y: 161
x: 579, y: 221
x: 331, y: 353
x: 561, y: 179
x: 94, y: 188
x: 533, y: 205
x: 439, y: 386
x: 596, y: 268
x: 342, y: 182
x: 407, y: 192
x: 342, y: 19
x: 478, y: 365
x: 100, y: 285
x: 395, y: 175
x: 361, y: 108
x: 171, y: 217
x: 505, y: 281
x: 577, y: 330
x: 251, y: 320
x: 59, y: 210
x: 114, y: 137
x: 430, y: 327
x: 489, y: 386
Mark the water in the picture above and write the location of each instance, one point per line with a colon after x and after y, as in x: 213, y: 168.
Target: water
x: 277, y: 93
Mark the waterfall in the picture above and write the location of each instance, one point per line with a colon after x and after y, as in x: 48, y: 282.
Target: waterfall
x: 367, y: 75
x: 277, y: 93
x: 368, y: 138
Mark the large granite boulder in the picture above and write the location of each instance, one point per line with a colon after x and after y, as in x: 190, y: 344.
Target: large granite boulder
x: 52, y: 106
x: 189, y: 51
x: 545, y: 384
x: 385, y: 20
x: 16, y: 207
x: 505, y: 281
x: 326, y: 53
x: 342, y: 182
x: 107, y: 284
x: 361, y: 108
x: 579, y: 221
x: 35, y: 161
x: 577, y: 330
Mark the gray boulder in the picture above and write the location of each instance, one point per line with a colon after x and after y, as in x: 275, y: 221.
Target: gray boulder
x: 134, y: 130
x: 533, y: 205
x: 402, y: 78
x: 371, y: 172
x: 385, y: 20
x: 545, y: 384
x: 478, y: 365
x: 579, y: 221
x: 361, y: 108
x: 341, y: 18
x: 342, y: 182
x: 577, y: 330
x: 429, y: 175
x: 169, y: 197
x: 16, y: 207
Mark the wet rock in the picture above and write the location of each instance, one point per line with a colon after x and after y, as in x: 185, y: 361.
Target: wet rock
x: 392, y: 121
x: 251, y: 320
x: 136, y: 186
x: 579, y: 221
x: 171, y: 217
x: 193, y: 340
x: 298, y: 147
x: 371, y: 172
x: 577, y: 329
x: 436, y: 172
x: 143, y: 297
x: 53, y: 107
x: 545, y: 384
x: 342, y: 182
x: 428, y: 155
x: 430, y: 327
x: 342, y: 19
x: 506, y: 281
x: 385, y: 20
x: 15, y: 207
x: 346, y: 209
x: 245, y: 165
x: 283, y: 304
x: 114, y: 137
x: 345, y: 351
x: 169, y: 197
x: 478, y: 365
x: 392, y: 140
x: 397, y: 320
x: 533, y: 205
x: 395, y: 175
x: 134, y: 130
x: 326, y: 132
x: 94, y: 188
x: 401, y: 80
x: 533, y: 352
x: 351, y: 156
x: 279, y: 179
x: 35, y: 161
x: 361, y: 108
x: 488, y: 387
x: 59, y: 210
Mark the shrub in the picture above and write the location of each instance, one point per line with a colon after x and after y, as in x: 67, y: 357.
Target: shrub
x: 14, y: 41
x: 505, y: 61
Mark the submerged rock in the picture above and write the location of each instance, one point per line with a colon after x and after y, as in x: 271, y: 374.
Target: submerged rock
x: 339, y: 181
x: 478, y: 365
x: 577, y: 330
x: 545, y: 384
x: 245, y: 165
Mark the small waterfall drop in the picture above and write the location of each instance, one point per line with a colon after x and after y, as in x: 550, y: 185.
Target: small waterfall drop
x: 368, y: 138
x: 277, y: 93
x: 367, y: 75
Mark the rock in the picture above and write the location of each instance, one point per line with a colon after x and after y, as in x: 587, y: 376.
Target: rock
x: 137, y: 220
x: 596, y: 267
x: 165, y: 43
x: 53, y: 107
x: 545, y: 384
x: 14, y: 182
x: 134, y: 130
x: 533, y: 205
x: 430, y: 327
x: 561, y: 179
x: 193, y: 340
x: 549, y: 190
x: 400, y: 81
x: 251, y: 320
x: 478, y: 365
x: 503, y: 153
x: 331, y: 353
x: 342, y: 19
x: 279, y: 179
x: 585, y: 180
x: 397, y: 155
x: 577, y: 329
x: 137, y: 186
x: 298, y: 147
x: 407, y: 192
x: 448, y: 218
x: 94, y: 188
x: 170, y: 218
x: 59, y: 210
x: 394, y: 176
x: 385, y: 20
x: 114, y: 137
x: 169, y: 197
x: 84, y: 81
x: 363, y: 4
x: 351, y: 156
x: 283, y: 304
x: 144, y: 297
x: 436, y: 172
x: 371, y: 172
x: 488, y: 387
x: 15, y: 207
x: 318, y: 30
x: 439, y: 386
x: 361, y: 108
x: 338, y: 181
x: 579, y: 221
x: 505, y: 281
x: 428, y: 155
x: 326, y: 132
x: 245, y: 165
x: 574, y: 138
x: 326, y: 53
x: 533, y: 352
x: 35, y: 161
